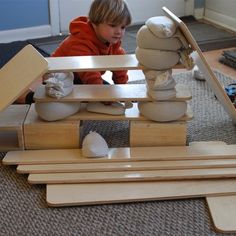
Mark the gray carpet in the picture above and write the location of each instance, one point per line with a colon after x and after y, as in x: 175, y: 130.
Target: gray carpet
x: 23, y: 210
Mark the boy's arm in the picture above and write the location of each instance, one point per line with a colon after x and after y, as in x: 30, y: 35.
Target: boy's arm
x: 120, y: 77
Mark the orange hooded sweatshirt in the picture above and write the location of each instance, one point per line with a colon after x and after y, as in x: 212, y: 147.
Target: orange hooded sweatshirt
x: 83, y: 41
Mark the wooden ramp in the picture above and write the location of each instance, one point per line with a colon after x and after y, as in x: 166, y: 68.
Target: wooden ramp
x: 19, y: 73
x: 205, y: 68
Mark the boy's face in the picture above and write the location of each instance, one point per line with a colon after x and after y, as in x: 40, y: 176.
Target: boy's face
x: 107, y: 32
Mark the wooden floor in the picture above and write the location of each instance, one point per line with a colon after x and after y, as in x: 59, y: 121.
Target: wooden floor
x: 213, y: 57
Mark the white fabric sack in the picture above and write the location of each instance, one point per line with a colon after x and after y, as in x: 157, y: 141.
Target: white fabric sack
x: 153, y: 74
x: 52, y: 111
x: 166, y: 85
x: 162, y: 95
x: 146, y: 39
x: 156, y: 59
x: 163, y: 111
x: 94, y: 145
x: 115, y: 108
x: 59, y: 85
x: 161, y: 26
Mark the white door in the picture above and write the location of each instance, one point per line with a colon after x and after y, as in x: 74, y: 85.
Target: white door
x: 140, y: 10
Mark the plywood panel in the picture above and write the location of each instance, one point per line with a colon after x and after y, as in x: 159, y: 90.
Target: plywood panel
x: 17, y: 75
x: 223, y: 212
x: 134, y: 176
x: 103, y: 193
x: 114, y: 92
x: 121, y: 154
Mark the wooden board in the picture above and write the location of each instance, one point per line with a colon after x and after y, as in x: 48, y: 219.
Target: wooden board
x: 121, y: 154
x: 126, y: 166
x: 130, y: 114
x: 223, y: 212
x: 205, y: 68
x: 131, y: 176
x: 114, y: 92
x: 19, y: 73
x: 104, y: 193
x: 95, y: 63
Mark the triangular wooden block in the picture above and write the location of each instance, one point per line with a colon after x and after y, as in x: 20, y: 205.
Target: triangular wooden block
x: 19, y: 73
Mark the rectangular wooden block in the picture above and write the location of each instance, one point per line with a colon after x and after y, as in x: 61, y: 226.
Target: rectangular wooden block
x: 39, y: 134
x: 11, y: 127
x: 150, y: 133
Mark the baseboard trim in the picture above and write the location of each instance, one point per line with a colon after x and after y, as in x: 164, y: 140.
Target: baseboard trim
x: 7, y: 36
x: 220, y: 19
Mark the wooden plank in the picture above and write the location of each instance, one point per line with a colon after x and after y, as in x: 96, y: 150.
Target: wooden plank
x: 131, y: 176
x: 19, y: 73
x: 205, y: 68
x: 223, y: 212
x: 121, y: 154
x: 126, y: 166
x: 104, y: 193
x: 114, y: 92
x: 130, y: 114
x: 95, y: 63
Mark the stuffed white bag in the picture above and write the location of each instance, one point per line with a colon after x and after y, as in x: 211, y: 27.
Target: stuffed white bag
x: 53, y: 111
x: 59, y: 85
x: 94, y: 145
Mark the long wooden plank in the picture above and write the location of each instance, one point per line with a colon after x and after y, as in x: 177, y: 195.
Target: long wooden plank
x: 87, y: 194
x: 223, y: 212
x: 114, y: 92
x: 121, y: 154
x: 205, y: 68
x: 131, y: 176
x: 95, y: 63
x: 126, y: 166
x: 130, y: 114
x: 19, y: 73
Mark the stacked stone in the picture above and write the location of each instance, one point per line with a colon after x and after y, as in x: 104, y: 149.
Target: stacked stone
x: 160, y: 46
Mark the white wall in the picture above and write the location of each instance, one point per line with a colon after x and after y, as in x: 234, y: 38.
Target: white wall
x: 141, y: 10
x: 222, y: 12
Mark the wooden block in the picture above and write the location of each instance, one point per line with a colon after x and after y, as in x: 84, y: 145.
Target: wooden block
x: 104, y: 193
x: 95, y: 63
x: 121, y: 154
x: 11, y: 127
x: 18, y: 74
x: 113, y: 92
x: 39, y: 134
x: 126, y: 166
x: 223, y: 212
x: 131, y: 176
x: 150, y: 133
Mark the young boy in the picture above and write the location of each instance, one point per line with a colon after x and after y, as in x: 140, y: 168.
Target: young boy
x: 98, y: 34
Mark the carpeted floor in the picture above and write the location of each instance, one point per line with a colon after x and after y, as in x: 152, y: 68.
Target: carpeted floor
x: 23, y: 209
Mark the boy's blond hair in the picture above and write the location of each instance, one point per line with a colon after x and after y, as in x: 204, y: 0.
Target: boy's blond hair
x: 110, y: 11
